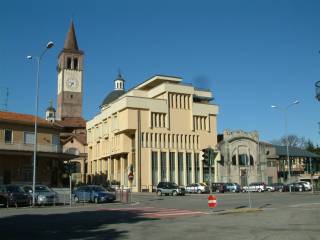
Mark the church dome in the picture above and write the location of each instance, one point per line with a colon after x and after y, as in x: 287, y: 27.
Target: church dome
x: 115, y: 94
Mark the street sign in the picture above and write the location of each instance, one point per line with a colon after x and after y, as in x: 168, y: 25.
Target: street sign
x: 212, y: 201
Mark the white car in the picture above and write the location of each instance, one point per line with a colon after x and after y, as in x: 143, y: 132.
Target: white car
x: 197, y: 188
x: 255, y: 187
x: 306, y: 185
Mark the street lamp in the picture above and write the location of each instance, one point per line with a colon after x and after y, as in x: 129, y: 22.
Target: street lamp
x: 285, y: 133
x: 38, y: 59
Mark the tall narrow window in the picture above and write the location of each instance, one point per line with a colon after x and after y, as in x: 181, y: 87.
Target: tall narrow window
x: 188, y: 155
x: 163, y: 166
x: 75, y: 63
x: 197, y: 167
x: 142, y: 140
x: 154, y: 163
x: 147, y: 140
x: 172, y: 166
x: 68, y: 63
x: 234, y: 160
x: 180, y: 168
x: 7, y: 136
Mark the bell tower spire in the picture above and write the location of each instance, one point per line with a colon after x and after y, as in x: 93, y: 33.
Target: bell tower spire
x: 70, y: 77
x: 71, y: 41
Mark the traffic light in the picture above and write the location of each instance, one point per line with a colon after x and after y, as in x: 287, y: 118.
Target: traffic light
x: 206, y: 156
x: 70, y: 167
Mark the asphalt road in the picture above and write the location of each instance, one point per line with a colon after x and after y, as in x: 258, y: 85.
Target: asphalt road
x: 276, y: 216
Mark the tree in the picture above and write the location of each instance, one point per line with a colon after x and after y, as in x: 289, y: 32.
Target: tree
x: 293, y: 141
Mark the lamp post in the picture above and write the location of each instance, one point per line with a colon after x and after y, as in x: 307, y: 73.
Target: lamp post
x: 285, y: 133
x: 38, y: 59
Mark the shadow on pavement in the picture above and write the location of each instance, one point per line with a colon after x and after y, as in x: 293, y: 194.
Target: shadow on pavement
x: 74, y: 225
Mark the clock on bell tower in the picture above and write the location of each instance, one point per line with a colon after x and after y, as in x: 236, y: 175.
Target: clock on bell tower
x: 70, y: 78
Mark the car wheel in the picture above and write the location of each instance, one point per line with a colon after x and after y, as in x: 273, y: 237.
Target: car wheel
x: 96, y: 200
x: 259, y: 190
x: 243, y: 190
x: 159, y: 193
x: 300, y: 189
x: 280, y: 190
x: 174, y: 193
x: 199, y: 191
x: 76, y: 199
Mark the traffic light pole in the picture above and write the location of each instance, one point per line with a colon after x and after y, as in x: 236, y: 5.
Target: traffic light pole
x: 210, y: 168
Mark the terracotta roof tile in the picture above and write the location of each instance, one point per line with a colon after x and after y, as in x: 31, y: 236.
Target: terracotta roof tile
x: 26, y: 119
x: 75, y: 122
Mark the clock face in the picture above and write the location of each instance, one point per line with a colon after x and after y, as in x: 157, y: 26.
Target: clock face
x: 72, y: 84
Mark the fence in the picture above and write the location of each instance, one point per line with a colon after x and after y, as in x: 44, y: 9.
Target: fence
x: 123, y: 195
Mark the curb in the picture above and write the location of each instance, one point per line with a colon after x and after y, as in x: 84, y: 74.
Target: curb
x: 241, y: 210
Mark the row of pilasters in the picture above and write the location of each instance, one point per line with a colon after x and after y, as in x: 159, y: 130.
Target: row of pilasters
x: 116, y: 168
x: 176, y: 173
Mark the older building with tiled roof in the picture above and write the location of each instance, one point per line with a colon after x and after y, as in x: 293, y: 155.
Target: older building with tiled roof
x: 17, y: 148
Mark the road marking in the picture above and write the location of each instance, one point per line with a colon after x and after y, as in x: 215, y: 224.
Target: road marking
x: 304, y: 204
x: 152, y: 212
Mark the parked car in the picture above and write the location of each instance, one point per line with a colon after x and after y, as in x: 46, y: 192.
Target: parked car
x: 255, y: 187
x: 197, y: 188
x: 170, y: 188
x: 93, y: 193
x: 280, y: 187
x: 43, y: 194
x: 297, y: 187
x: 270, y: 188
x: 13, y: 195
x: 3, y: 200
x: 219, y: 187
x: 307, y: 185
x: 233, y: 187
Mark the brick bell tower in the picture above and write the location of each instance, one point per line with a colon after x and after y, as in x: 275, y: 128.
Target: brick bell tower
x: 70, y: 78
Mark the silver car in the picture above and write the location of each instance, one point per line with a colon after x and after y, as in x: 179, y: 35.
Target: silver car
x: 197, y: 188
x: 43, y: 194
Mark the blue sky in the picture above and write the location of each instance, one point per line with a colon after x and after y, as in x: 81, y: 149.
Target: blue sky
x: 251, y: 54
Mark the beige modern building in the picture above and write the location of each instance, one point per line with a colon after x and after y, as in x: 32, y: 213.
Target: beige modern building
x: 153, y: 132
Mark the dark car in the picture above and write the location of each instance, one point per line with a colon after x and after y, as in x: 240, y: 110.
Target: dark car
x: 170, y: 188
x: 297, y: 187
x: 43, y: 194
x: 93, y: 193
x: 219, y: 187
x: 280, y: 187
x: 13, y: 195
x: 3, y: 200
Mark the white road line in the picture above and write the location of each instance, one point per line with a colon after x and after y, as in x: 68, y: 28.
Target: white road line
x: 173, y: 214
x: 304, y: 204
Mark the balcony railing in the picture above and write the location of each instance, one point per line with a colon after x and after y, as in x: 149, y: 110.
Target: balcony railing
x: 29, y: 147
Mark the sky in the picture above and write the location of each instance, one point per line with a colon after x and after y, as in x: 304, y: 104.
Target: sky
x: 251, y: 54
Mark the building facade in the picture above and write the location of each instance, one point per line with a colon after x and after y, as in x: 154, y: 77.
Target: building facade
x: 17, y: 148
x: 304, y: 165
x: 153, y: 132
x: 244, y: 159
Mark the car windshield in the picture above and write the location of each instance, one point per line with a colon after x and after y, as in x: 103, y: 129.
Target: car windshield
x: 173, y: 185
x: 202, y: 184
x: 14, y: 189
x: 98, y: 189
x: 42, y: 189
